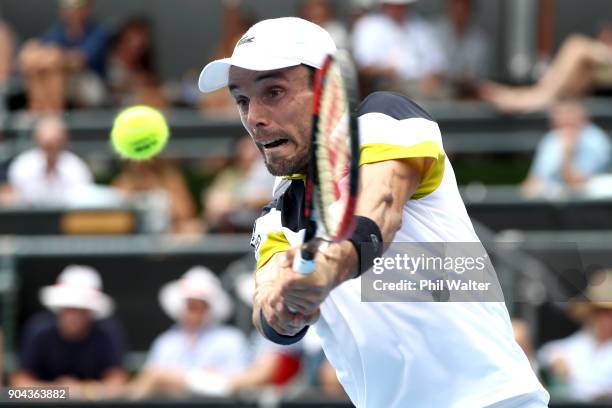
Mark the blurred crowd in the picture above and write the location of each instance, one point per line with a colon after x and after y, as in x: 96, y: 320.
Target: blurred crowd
x: 78, y: 343
x: 80, y: 63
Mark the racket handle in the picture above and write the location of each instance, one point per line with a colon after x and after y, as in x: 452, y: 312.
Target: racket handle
x: 304, y: 261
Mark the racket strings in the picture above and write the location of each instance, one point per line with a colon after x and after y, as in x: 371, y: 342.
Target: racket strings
x: 333, y: 152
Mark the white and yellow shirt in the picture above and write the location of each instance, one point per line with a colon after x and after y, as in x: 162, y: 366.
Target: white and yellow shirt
x: 409, y: 354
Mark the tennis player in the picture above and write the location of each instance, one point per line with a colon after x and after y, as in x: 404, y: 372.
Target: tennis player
x: 386, y: 354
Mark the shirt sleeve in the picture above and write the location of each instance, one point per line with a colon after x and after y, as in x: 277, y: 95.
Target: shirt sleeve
x: 94, y: 47
x: 112, y: 348
x: 367, y: 46
x: 436, y: 59
x: 268, y: 237
x: 392, y: 127
x: 53, y: 36
x: 81, y: 175
x: 546, y: 155
x: 237, y: 352
x: 156, y: 353
x: 595, y: 156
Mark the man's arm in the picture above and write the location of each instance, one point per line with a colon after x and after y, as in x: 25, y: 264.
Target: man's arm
x: 385, y: 187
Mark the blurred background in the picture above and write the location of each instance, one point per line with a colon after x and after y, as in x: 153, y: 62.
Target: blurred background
x: 131, y: 281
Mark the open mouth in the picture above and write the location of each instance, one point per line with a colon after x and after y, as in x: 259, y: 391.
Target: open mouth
x: 275, y: 143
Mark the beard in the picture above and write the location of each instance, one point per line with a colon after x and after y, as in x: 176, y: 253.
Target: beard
x: 281, y: 166
x: 285, y: 165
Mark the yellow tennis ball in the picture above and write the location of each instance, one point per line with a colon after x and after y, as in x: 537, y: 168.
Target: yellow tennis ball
x: 139, y: 133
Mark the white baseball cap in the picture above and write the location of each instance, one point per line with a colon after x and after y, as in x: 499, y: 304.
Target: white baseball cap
x: 271, y: 44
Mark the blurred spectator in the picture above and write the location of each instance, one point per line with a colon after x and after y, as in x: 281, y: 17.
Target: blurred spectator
x: 2, y: 356
x: 581, y: 64
x: 131, y: 75
x: 397, y: 49
x: 568, y: 155
x: 360, y: 8
x: 237, y: 194
x: 7, y: 49
x: 67, y: 63
x: 74, y: 347
x: 522, y: 335
x: 159, y: 175
x: 7, y: 193
x: 320, y: 12
x: 48, y: 174
x: 319, y: 373
x: 328, y: 381
x: 272, y: 365
x: 234, y: 24
x: 194, y: 355
x: 580, y: 366
x: 465, y: 47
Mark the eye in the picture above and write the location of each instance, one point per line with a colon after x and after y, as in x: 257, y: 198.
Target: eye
x: 242, y: 103
x: 275, y: 92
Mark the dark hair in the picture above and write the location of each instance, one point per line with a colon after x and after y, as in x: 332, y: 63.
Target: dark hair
x: 312, y: 72
x: 146, y: 61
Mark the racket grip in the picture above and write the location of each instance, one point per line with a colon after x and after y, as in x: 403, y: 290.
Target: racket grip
x: 304, y: 261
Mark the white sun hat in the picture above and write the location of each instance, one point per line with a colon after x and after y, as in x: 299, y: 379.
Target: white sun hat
x: 271, y: 44
x: 200, y: 283
x: 80, y: 287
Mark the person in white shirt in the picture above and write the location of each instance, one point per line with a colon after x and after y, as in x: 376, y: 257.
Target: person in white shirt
x: 198, y: 350
x: 465, y: 47
x: 399, y: 49
x: 580, y: 366
x: 48, y: 174
x: 321, y: 12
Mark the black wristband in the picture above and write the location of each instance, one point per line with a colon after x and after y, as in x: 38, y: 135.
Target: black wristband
x: 367, y: 240
x: 277, y: 338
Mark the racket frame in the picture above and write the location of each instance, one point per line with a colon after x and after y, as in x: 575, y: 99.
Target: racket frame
x: 313, y: 218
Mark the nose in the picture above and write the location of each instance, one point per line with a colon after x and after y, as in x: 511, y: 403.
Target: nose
x: 257, y: 115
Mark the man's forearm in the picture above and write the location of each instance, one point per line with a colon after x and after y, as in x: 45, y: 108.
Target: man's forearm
x: 348, y: 262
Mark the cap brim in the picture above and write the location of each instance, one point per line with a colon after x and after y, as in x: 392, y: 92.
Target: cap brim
x: 215, y: 74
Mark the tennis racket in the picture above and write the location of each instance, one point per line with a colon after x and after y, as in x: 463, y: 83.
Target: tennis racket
x: 332, y: 179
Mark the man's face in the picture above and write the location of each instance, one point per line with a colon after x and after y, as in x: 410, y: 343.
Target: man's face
x: 196, y: 313
x: 51, y: 139
x: 396, y: 12
x: 76, y: 16
x: 568, y: 116
x: 602, y: 323
x: 460, y: 11
x: 74, y: 323
x: 276, y: 109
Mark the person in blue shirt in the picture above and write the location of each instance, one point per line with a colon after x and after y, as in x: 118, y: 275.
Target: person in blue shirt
x: 66, y: 65
x: 198, y: 354
x: 571, y: 153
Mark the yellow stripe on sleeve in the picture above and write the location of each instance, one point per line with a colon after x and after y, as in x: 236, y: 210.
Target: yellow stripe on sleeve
x: 275, y: 243
x: 378, y: 152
